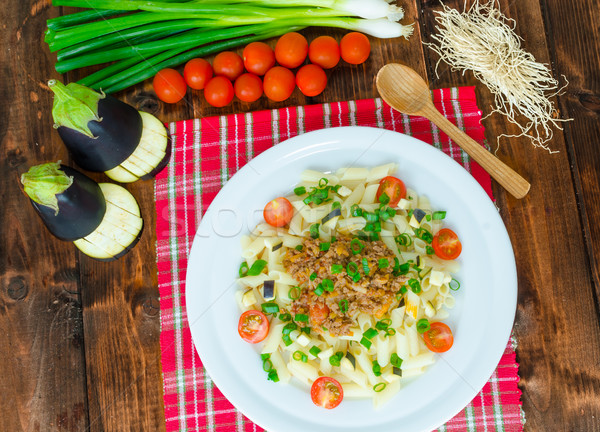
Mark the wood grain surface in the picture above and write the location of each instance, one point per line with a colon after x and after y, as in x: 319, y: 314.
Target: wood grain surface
x: 79, y: 339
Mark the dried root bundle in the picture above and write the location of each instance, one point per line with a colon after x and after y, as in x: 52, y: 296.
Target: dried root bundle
x: 483, y: 41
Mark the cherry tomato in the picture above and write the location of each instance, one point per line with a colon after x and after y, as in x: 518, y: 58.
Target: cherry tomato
x: 253, y: 326
x: 248, y: 87
x: 278, y: 212
x: 218, y: 91
x: 258, y: 58
x: 439, y: 337
x: 324, y: 51
x: 446, y: 244
x: 318, y: 312
x: 197, y: 73
x: 311, y: 80
x: 326, y: 392
x: 279, y: 83
x: 394, y: 188
x: 169, y: 85
x: 355, y: 48
x: 228, y: 64
x: 291, y: 50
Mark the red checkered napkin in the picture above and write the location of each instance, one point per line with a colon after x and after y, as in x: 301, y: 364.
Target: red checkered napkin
x: 206, y: 153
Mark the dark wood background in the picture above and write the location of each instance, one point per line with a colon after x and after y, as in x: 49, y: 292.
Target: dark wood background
x: 79, y: 339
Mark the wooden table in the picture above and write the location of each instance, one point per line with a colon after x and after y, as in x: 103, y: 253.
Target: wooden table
x: 79, y: 339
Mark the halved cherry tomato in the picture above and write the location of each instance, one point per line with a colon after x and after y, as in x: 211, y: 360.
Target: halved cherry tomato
x: 324, y: 51
x: 197, y: 73
x: 355, y: 48
x: 311, y: 80
x: 248, y: 87
x: 253, y: 326
x: 291, y: 50
x: 446, y: 244
x: 228, y: 64
x: 439, y: 337
x: 258, y: 58
x: 326, y: 392
x: 169, y: 85
x: 279, y: 83
x: 278, y: 212
x: 394, y: 188
x: 218, y: 91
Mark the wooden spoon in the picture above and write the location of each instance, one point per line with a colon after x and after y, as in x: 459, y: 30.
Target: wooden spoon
x: 404, y: 90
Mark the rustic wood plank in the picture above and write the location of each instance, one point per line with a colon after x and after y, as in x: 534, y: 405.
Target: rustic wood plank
x: 557, y: 323
x: 43, y: 386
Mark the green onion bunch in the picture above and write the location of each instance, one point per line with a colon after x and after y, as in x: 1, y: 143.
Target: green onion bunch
x: 134, y: 39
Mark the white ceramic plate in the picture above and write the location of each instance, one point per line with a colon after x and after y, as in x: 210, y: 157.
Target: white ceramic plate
x: 481, y: 321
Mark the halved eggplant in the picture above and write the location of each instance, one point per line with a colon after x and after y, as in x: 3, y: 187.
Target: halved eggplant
x: 103, y: 220
x: 105, y: 134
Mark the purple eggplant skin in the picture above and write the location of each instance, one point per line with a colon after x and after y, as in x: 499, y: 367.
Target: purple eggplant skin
x: 80, y: 208
x: 116, y: 136
x: 163, y: 163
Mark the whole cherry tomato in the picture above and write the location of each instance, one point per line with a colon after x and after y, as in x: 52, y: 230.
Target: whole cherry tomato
x: 279, y: 83
x: 258, y: 58
x: 324, y: 51
x: 248, y: 87
x: 169, y: 85
x: 228, y: 64
x: 355, y: 48
x: 291, y: 50
x: 197, y: 73
x: 311, y: 80
x: 218, y: 91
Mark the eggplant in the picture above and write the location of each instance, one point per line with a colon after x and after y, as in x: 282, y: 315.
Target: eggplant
x: 103, y: 133
x: 103, y: 220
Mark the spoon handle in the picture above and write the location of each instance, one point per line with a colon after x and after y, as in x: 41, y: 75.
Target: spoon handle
x: 510, y: 180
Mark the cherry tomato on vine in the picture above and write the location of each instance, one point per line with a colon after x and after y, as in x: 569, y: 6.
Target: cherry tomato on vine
x: 291, y: 50
x: 394, y: 188
x: 248, y: 87
x: 446, y: 244
x: 253, y: 326
x: 326, y: 392
x: 355, y: 48
x: 228, y: 64
x: 197, y: 73
x: 278, y: 212
x: 311, y: 80
x: 169, y: 85
x: 218, y: 92
x: 324, y: 51
x: 439, y: 337
x: 258, y: 58
x: 279, y: 83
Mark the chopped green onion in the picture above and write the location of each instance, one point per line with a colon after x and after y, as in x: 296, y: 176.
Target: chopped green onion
x: 336, y: 205
x: 384, y: 199
x: 336, y: 358
x: 305, y: 330
x: 287, y: 340
x: 314, y: 231
x: 265, y: 356
x: 333, y: 239
x: 313, y: 276
x: 299, y: 248
x: 390, y: 331
x: 383, y: 263
x: 300, y: 356
x: 273, y: 376
x: 288, y: 328
x: 294, y: 293
x: 243, y: 271
x: 365, y: 342
x: 429, y: 250
x: 356, y: 277
x: 404, y: 240
x: 370, y: 217
x: 257, y: 267
x: 355, y: 210
x: 423, y: 234
x: 376, y: 368
x: 267, y: 365
x: 379, y: 387
x: 454, y: 285
x: 352, y: 269
x: 337, y: 268
x: 324, y: 246
x: 414, y: 285
x: 383, y: 324
x: 395, y: 360
x: 270, y: 308
x: 315, y: 350
x: 362, y: 235
x: 423, y: 325
x: 301, y: 318
x: 301, y: 190
x: 373, y: 236
x: 356, y: 246
x: 439, y: 215
x: 370, y: 333
x: 343, y: 304
x: 319, y: 290
x: 328, y: 285
x: 323, y: 182
x: 403, y: 268
x: 365, y: 266
x: 285, y: 317
x: 403, y: 290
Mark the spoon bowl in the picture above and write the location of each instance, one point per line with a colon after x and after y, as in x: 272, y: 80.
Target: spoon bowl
x: 406, y: 91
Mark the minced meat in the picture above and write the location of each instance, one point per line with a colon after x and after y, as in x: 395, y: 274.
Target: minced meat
x: 372, y: 294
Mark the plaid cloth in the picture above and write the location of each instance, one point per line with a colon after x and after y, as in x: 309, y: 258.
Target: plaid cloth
x: 206, y: 153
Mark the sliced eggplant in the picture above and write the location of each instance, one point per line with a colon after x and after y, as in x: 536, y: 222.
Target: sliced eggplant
x: 103, y: 220
x: 104, y: 134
